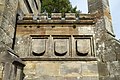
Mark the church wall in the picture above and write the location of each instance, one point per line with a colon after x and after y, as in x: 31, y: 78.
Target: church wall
x: 52, y: 49
x: 107, y: 47
x: 8, y: 70
x: 61, y: 70
x: 60, y: 56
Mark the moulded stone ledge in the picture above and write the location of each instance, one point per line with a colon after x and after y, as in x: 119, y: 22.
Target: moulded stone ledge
x: 59, y: 59
x: 8, y: 55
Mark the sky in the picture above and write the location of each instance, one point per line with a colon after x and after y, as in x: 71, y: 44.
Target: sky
x: 114, y: 8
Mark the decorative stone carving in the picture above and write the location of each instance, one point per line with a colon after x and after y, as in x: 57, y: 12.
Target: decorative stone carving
x: 60, y: 47
x: 82, y: 47
x: 38, y: 47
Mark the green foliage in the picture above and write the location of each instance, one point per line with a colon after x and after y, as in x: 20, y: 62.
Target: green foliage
x: 58, y: 6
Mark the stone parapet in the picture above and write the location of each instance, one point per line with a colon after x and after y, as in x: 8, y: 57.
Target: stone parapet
x: 57, y: 18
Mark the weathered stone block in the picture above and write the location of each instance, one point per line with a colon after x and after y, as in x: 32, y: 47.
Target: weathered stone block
x: 117, y: 77
x: 114, y: 68
x: 5, y: 38
x: 2, y: 46
x: 1, y: 9
x: 2, y: 2
x: 48, y: 78
x: 1, y: 71
x: 10, y: 16
x: 90, y: 69
x: 10, y: 12
x: 72, y: 78
x: 43, y: 69
x: 89, y: 78
x: 102, y: 68
x: 56, y: 16
x: 70, y: 69
x: 70, y: 16
x: 23, y: 46
x: 7, y: 27
x: 60, y: 70
x: 44, y: 16
x: 104, y: 78
x: 106, y: 57
x: 12, y: 4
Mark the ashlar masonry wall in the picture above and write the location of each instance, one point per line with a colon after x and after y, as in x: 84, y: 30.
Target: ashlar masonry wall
x: 10, y: 64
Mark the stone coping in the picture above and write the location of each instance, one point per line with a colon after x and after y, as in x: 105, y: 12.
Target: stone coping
x: 10, y: 57
x: 56, y: 16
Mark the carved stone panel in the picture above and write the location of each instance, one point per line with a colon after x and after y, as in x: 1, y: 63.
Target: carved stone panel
x: 83, y: 47
x: 38, y: 47
x: 60, y: 47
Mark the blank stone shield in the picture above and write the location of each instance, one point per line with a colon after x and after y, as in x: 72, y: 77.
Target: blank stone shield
x: 60, y: 47
x: 83, y: 47
x: 38, y: 47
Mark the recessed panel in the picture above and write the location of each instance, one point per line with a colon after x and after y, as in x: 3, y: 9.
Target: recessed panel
x: 82, y: 47
x: 60, y: 47
x: 38, y: 47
